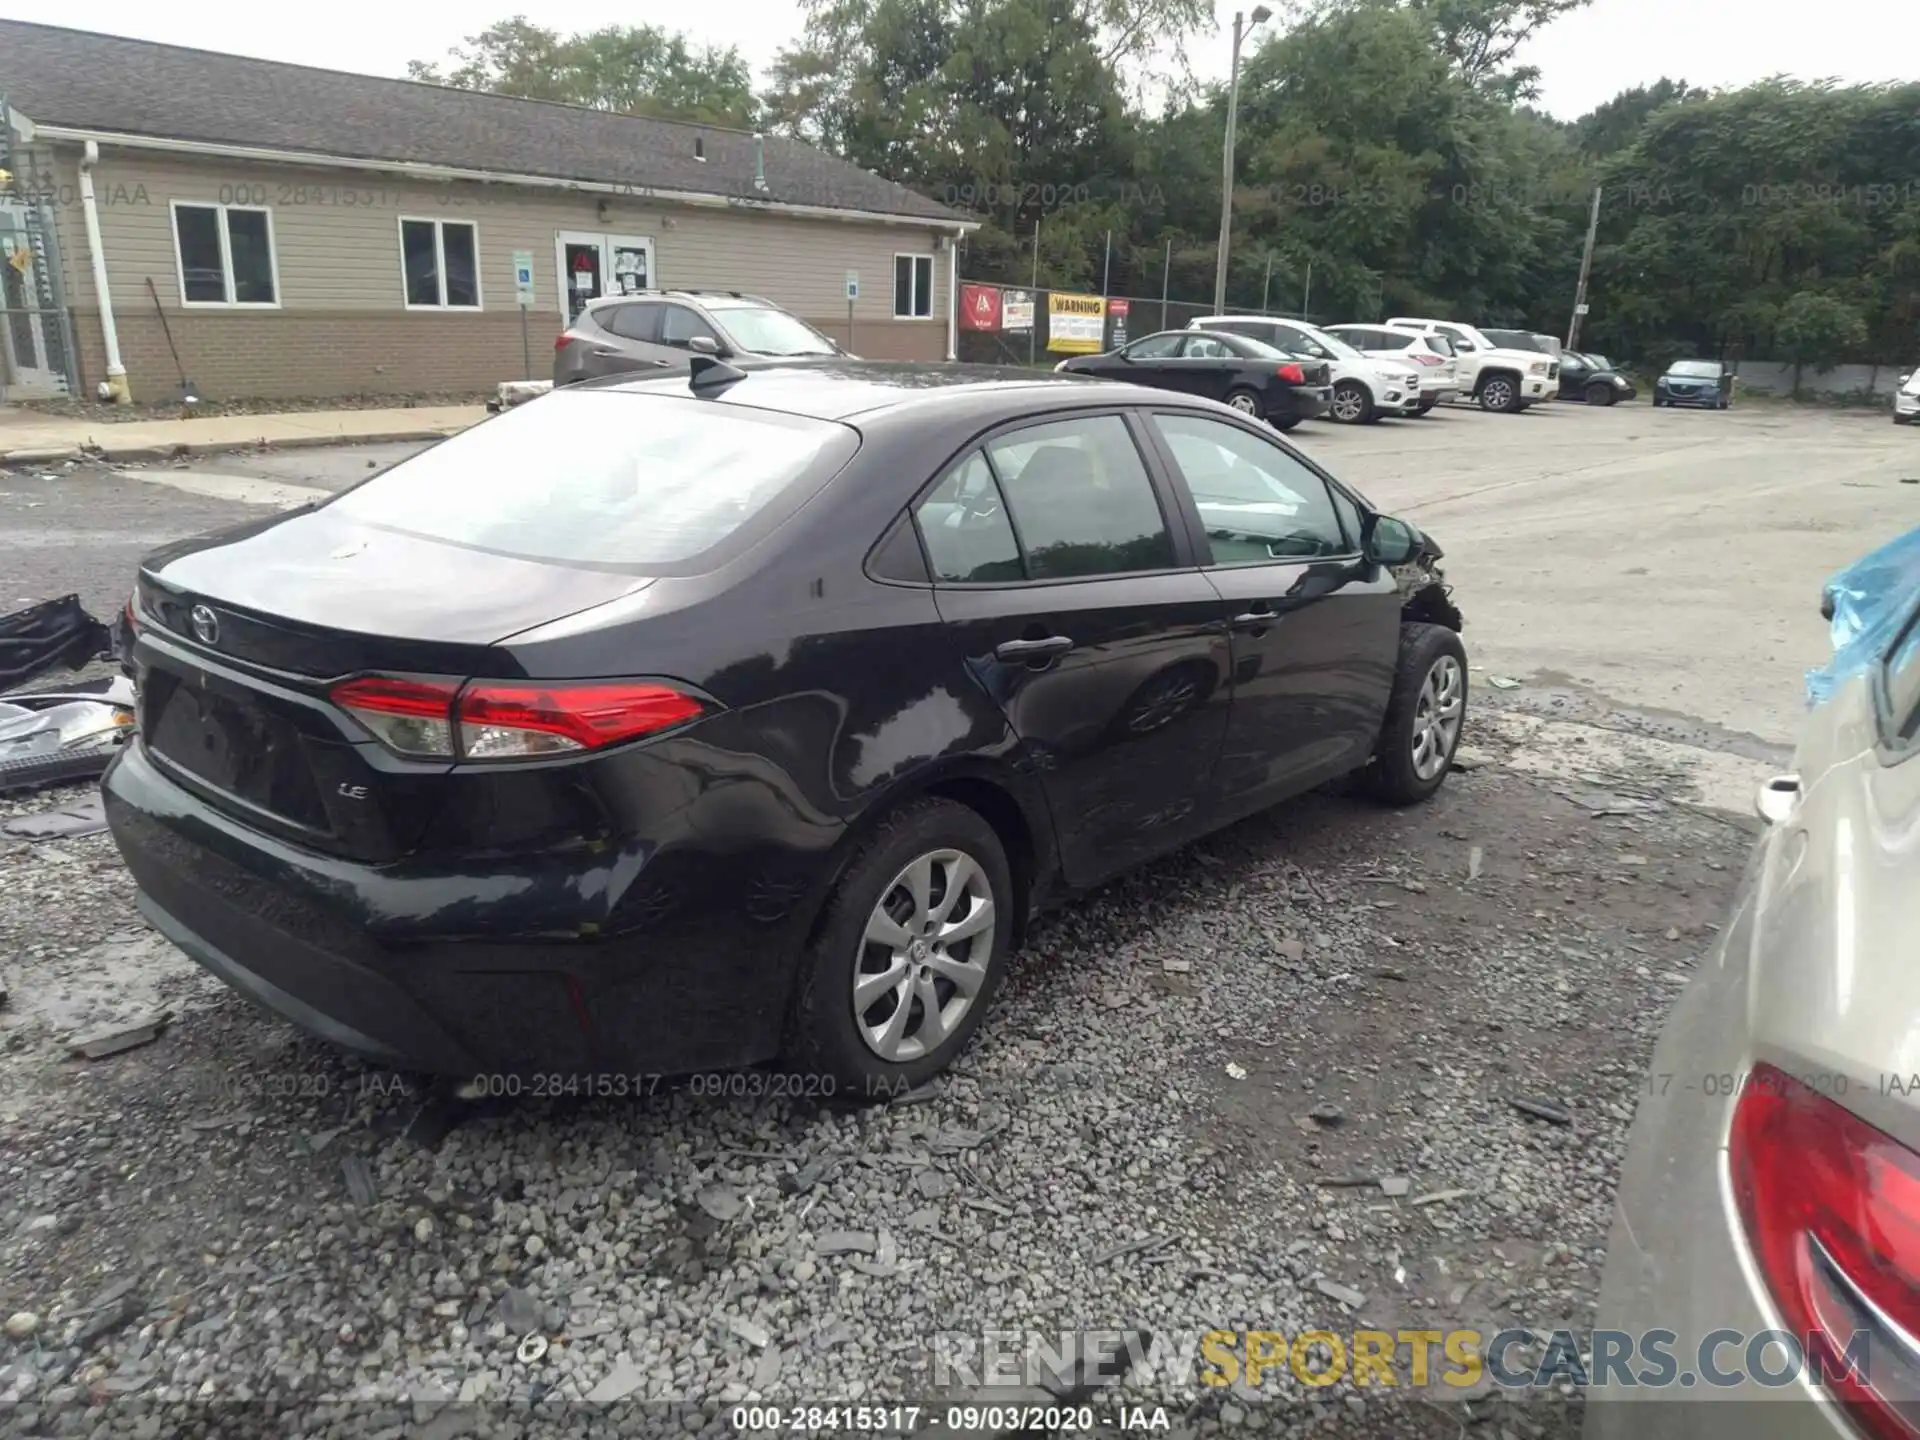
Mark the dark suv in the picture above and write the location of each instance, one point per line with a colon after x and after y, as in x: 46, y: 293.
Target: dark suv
x: 658, y: 332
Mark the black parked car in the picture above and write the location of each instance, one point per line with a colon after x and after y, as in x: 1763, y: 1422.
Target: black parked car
x: 1592, y: 378
x: 1695, y: 382
x: 661, y: 726
x: 1250, y: 375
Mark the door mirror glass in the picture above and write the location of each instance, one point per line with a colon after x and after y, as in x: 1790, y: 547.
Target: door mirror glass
x: 1391, y: 542
x: 703, y: 345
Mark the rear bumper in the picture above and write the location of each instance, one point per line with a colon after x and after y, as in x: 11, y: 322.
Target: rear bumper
x: 1299, y: 402
x: 310, y: 938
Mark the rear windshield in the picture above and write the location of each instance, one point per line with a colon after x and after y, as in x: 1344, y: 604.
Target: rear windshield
x: 605, y: 479
x: 1516, y: 340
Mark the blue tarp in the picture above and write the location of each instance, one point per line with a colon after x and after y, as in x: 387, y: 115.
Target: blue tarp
x: 1870, y: 600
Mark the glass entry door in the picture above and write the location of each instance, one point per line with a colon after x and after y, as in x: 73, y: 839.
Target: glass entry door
x: 27, y: 359
x: 592, y: 264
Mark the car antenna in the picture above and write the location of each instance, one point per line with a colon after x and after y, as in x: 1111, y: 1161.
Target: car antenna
x: 710, y: 373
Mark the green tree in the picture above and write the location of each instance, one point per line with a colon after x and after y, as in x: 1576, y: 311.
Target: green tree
x: 1818, y: 330
x: 631, y: 69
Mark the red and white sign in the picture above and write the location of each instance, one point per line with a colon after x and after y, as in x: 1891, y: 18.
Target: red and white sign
x: 979, y: 307
x: 1118, y: 308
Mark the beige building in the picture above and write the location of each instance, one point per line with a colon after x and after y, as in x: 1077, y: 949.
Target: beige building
x: 300, y: 232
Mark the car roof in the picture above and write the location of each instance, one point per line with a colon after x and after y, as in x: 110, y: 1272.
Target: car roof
x: 700, y: 297
x: 842, y: 389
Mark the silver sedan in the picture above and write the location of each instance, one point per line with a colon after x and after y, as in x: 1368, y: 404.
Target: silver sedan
x: 1769, y: 1206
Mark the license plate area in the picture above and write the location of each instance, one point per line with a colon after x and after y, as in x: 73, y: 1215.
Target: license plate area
x: 230, y: 740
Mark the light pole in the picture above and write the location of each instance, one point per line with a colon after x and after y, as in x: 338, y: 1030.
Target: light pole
x: 1261, y: 14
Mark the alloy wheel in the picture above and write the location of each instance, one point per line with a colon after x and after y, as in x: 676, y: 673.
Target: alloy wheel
x: 1436, y: 717
x: 924, y: 955
x: 1244, y: 403
x: 1497, y: 394
x: 1349, y: 403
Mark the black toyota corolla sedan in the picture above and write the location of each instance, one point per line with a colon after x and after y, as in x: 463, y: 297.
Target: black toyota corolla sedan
x: 656, y: 726
x: 1248, y: 374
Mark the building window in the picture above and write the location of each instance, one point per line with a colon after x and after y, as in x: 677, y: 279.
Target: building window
x: 440, y: 264
x: 225, y: 255
x: 912, y: 287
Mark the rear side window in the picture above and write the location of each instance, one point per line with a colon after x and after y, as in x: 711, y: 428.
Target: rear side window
x: 1257, y: 503
x: 1206, y: 347
x: 621, y: 481
x: 1080, y: 499
x: 634, y: 322
x: 1252, y: 329
x: 964, y: 524
x: 1155, y: 347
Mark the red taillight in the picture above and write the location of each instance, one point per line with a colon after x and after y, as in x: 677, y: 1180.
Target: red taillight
x: 505, y: 720
x: 562, y: 340
x: 1420, y: 357
x: 1831, y: 1208
x: 499, y: 721
x: 1292, y: 374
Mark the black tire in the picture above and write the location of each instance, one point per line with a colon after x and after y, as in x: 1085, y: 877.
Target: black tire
x: 1656, y: 402
x: 1499, y: 393
x: 1601, y: 395
x: 1390, y: 777
x: 1284, y: 425
x: 1903, y: 419
x: 1723, y: 403
x: 1360, y: 401
x: 823, y: 1035
x: 1246, y: 401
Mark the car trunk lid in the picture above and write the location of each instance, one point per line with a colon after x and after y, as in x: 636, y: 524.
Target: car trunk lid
x: 242, y: 636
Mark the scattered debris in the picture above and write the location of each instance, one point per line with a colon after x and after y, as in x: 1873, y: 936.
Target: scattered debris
x: 620, y: 1382
x: 87, y: 816
x: 846, y: 1242
x: 1347, y: 1182
x: 359, y: 1178
x: 1345, y: 1294
x: 1236, y: 1071
x: 115, y: 1039
x: 1327, y: 1113
x: 113, y: 1315
x: 1394, y: 1186
x: 1176, y: 967
x: 518, y: 1310
x: 532, y: 1350
x: 1292, y: 949
x: 754, y: 1335
x: 1389, y: 972
x: 811, y: 1174
x: 1441, y: 1197
x: 1503, y: 682
x: 1468, y: 757
x: 1541, y: 1110
x: 22, y: 1324
x: 1475, y: 858
x: 1132, y: 1247
x: 721, y: 1203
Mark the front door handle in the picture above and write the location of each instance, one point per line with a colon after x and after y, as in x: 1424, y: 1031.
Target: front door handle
x: 1028, y: 651
x: 1254, y: 619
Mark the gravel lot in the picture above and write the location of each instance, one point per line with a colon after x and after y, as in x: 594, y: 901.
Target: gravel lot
x: 234, y: 1215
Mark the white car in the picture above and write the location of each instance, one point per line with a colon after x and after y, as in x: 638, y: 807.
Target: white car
x: 1499, y: 378
x: 1906, y: 401
x: 1364, y: 388
x: 1429, y: 353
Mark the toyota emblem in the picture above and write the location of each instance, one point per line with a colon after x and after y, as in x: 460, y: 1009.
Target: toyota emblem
x: 206, y: 625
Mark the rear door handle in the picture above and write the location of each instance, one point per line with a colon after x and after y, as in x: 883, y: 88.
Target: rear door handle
x: 1027, y: 651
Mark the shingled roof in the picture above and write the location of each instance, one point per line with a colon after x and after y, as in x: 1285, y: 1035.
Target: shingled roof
x: 82, y: 80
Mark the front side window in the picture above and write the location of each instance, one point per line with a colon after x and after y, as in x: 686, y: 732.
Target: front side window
x: 440, y: 264
x: 1257, y: 503
x: 604, y: 479
x: 912, y: 287
x: 1080, y: 499
x: 225, y: 254
x: 1154, y: 347
x: 679, y: 325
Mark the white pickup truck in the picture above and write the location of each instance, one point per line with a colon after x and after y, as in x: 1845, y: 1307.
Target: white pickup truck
x: 1500, y: 379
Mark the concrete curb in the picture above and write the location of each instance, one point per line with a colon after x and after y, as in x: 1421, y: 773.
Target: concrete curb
x: 179, y: 449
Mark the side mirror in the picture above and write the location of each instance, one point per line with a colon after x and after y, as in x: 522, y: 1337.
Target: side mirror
x: 1391, y: 542
x: 704, y: 345
x: 1906, y: 376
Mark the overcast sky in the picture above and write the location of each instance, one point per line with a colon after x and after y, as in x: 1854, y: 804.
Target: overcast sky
x: 1584, y: 59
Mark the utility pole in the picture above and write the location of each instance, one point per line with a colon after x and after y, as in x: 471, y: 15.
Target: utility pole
x: 1261, y: 14
x: 1586, y: 265
x: 1266, y: 284
x: 1033, y: 330
x: 1166, y: 279
x: 1106, y: 270
x: 1306, y: 300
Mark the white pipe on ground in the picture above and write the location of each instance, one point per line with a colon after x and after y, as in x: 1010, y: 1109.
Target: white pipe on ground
x: 116, y: 372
